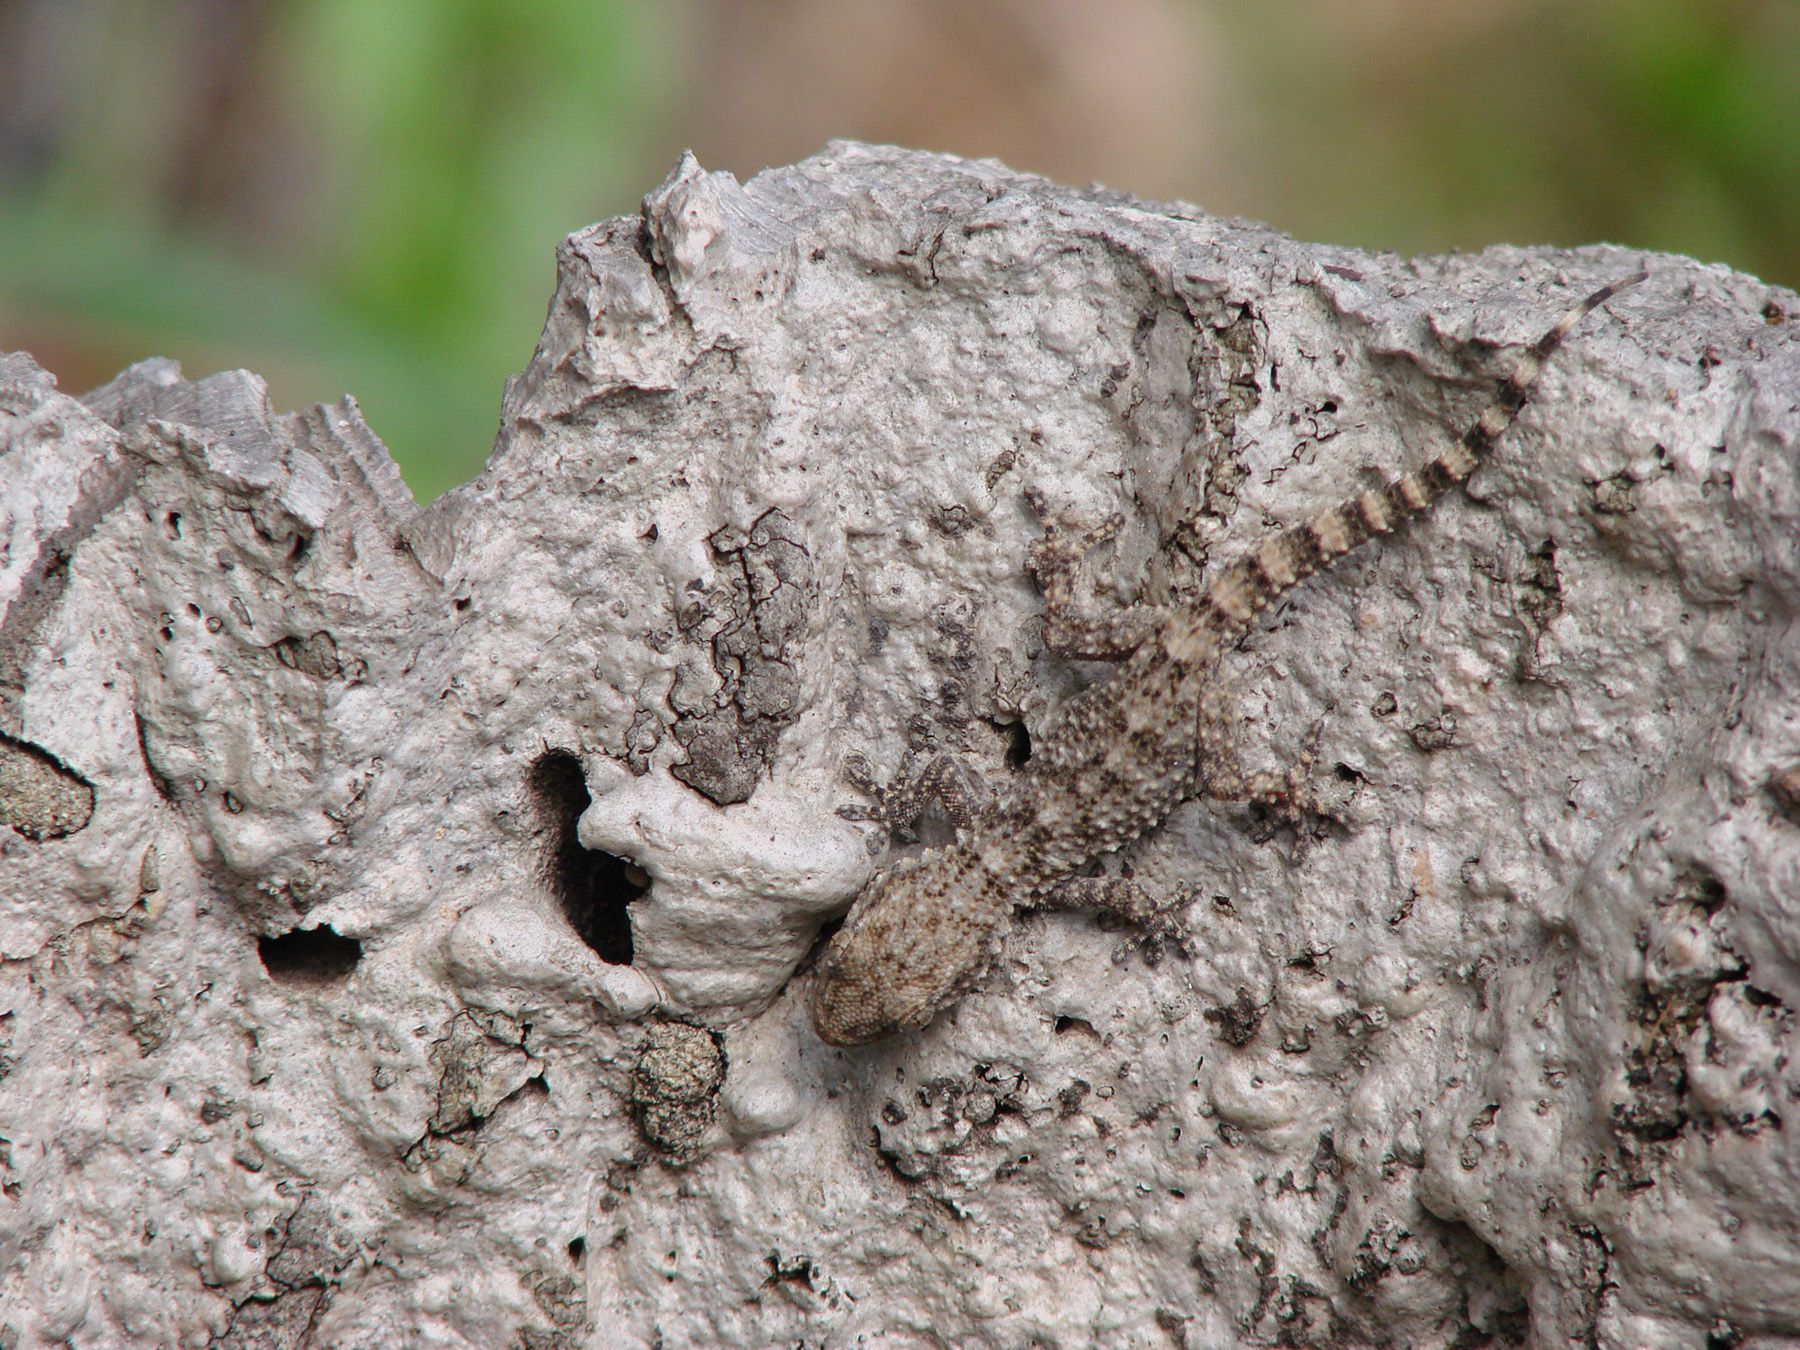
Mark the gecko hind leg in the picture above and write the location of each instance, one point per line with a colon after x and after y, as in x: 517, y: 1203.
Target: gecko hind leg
x: 1289, y: 796
x: 1078, y: 625
x: 1157, y: 918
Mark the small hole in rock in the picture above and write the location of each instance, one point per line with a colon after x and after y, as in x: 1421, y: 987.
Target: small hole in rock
x: 593, y: 888
x: 172, y: 523
x: 577, y: 1249
x: 309, y: 957
x: 827, y: 931
x: 1018, y: 742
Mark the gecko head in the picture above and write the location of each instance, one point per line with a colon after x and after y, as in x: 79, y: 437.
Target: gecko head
x: 910, y: 943
x: 849, y: 1007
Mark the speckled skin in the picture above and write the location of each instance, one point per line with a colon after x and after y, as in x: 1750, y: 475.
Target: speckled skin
x: 1115, y: 760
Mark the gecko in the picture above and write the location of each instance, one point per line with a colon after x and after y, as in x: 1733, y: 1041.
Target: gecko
x: 1113, y: 761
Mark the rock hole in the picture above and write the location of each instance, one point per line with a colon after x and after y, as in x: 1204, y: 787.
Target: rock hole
x: 297, y: 549
x: 1495, y: 1310
x: 1703, y: 890
x: 1018, y: 741
x: 172, y: 523
x: 594, y: 889
x: 577, y: 1249
x: 1018, y: 745
x: 309, y: 958
x: 827, y: 931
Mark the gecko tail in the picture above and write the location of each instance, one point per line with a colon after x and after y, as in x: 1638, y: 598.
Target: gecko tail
x: 1251, y: 583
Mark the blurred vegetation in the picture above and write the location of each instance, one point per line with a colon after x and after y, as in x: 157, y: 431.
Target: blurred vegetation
x: 360, y: 196
x: 1663, y: 124
x: 342, y: 196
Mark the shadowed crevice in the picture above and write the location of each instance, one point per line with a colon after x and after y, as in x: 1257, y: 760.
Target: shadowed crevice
x: 594, y: 889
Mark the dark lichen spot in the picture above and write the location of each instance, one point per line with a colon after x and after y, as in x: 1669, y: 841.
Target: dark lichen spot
x: 758, y: 613
x: 675, y: 1085
x: 315, y: 655
x: 39, y: 796
x: 595, y: 889
x: 309, y: 958
x: 1673, y: 1006
x: 1238, y: 1020
x: 1784, y: 788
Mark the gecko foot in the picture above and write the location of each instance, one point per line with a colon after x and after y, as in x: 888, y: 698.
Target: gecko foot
x: 1287, y: 799
x: 1077, y: 626
x: 1157, y: 919
x: 953, y: 788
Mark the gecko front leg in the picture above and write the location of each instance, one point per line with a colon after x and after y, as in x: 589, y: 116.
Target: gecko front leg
x: 899, y: 804
x: 1077, y: 626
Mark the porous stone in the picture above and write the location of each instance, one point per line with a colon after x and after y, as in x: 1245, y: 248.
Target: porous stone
x: 427, y: 964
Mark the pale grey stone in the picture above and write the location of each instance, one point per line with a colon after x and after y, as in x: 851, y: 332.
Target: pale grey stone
x: 1508, y: 1053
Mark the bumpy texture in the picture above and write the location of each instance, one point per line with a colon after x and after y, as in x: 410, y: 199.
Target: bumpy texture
x: 406, y: 913
x: 1116, y: 759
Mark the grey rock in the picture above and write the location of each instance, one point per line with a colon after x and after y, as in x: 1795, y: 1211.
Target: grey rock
x: 328, y: 1015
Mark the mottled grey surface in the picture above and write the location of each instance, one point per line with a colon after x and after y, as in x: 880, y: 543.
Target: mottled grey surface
x: 327, y: 1026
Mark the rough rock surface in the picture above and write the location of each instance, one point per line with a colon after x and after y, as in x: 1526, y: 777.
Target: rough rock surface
x: 406, y: 913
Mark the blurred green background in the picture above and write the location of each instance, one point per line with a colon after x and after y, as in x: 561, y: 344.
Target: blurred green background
x: 364, y: 195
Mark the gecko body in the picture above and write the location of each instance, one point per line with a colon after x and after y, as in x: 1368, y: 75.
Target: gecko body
x: 1115, y: 760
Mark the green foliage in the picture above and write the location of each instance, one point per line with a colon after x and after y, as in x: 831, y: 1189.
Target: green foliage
x: 445, y: 146
x: 1662, y: 124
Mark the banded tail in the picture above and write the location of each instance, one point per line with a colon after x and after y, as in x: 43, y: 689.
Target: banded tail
x: 1249, y: 584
